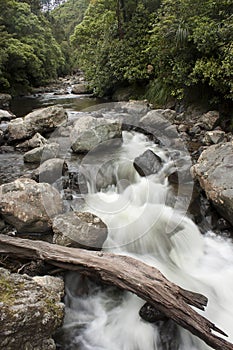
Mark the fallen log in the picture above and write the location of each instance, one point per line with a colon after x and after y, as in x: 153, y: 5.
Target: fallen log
x: 128, y: 274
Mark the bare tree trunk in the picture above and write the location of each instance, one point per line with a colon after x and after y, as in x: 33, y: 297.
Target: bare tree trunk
x: 128, y: 274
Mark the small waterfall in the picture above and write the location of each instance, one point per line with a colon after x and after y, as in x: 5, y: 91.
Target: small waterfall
x: 137, y: 213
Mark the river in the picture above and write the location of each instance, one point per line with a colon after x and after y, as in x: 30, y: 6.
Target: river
x: 139, y: 212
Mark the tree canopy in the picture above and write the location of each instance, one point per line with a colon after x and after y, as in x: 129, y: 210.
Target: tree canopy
x: 175, y: 46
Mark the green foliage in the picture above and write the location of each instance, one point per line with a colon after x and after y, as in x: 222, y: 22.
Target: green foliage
x: 30, y: 56
x: 110, y: 46
x: 191, y: 44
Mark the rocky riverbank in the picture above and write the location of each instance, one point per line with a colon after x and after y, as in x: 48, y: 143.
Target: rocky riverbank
x: 38, y: 202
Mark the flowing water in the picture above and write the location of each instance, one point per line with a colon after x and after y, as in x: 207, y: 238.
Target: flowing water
x: 148, y: 221
x: 143, y: 222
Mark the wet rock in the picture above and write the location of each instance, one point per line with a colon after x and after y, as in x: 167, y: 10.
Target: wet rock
x: 90, y: 132
x: 209, y: 120
x: 156, y: 124
x: 36, y: 141
x: 148, y: 163
x: 168, y: 333
x: 150, y: 314
x: 28, y: 205
x: 214, y: 137
x: 79, y: 229
x: 31, y: 311
x: 1, y: 137
x: 5, y: 100
x: 50, y: 170
x: 75, y: 181
x: 180, y: 173
x: 80, y: 89
x: 213, y: 170
x: 2, y: 224
x: 41, y: 154
x: 42, y: 120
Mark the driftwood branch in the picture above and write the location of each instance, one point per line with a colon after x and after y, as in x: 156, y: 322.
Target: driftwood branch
x: 129, y: 274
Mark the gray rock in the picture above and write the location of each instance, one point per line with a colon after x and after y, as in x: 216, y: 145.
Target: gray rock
x: 155, y: 123
x: 79, y: 229
x: 5, y: 115
x: 28, y: 205
x: 42, y: 120
x: 214, y: 137
x: 41, y: 154
x: 90, y: 132
x: 31, y: 311
x: 214, y: 173
x: 209, y: 120
x: 50, y: 170
x: 36, y: 141
x: 1, y: 137
x: 148, y: 163
x: 80, y: 89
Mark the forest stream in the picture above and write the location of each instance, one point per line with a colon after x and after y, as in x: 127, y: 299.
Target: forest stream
x: 139, y: 213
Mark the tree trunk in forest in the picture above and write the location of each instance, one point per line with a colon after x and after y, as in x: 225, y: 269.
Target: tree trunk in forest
x: 128, y: 274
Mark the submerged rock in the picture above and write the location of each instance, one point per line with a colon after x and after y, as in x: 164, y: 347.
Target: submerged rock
x: 214, y: 173
x: 90, y: 132
x: 148, y: 163
x: 28, y: 205
x: 31, y: 311
x: 79, y: 229
x: 41, y: 120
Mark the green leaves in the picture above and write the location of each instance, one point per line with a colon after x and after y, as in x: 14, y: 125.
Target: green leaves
x: 31, y: 56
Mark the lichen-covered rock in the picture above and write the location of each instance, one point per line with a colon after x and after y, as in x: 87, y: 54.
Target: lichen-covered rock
x: 214, y: 173
x: 31, y: 311
x: 90, y: 132
x: 42, y: 153
x: 79, y: 229
x: 209, y: 120
x: 28, y: 205
x: 36, y: 141
x: 214, y: 137
x: 42, y: 120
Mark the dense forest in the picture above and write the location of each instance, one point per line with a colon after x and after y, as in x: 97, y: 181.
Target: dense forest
x: 161, y: 48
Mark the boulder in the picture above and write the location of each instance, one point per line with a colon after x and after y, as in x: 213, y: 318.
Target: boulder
x: 214, y: 137
x: 5, y: 100
x: 36, y: 141
x: 28, y: 205
x: 50, y: 171
x: 90, y: 132
x: 80, y: 230
x: 155, y: 123
x: 41, y: 120
x: 1, y: 137
x: 42, y: 153
x: 80, y: 89
x: 31, y: 311
x: 148, y: 163
x: 213, y: 170
x: 5, y: 115
x: 209, y: 120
